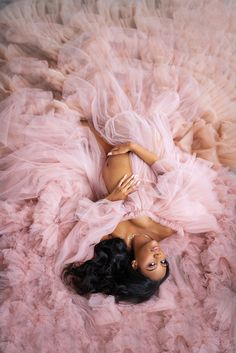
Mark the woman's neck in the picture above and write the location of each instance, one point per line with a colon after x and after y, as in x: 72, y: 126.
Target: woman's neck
x: 126, y: 230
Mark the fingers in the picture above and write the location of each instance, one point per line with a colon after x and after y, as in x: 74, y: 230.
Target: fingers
x: 126, y: 179
x: 129, y: 184
x: 133, y: 186
x: 114, y: 151
x: 120, y: 149
x: 122, y: 180
x: 129, y: 181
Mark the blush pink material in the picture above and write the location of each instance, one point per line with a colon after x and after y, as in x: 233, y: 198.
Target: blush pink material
x: 161, y: 74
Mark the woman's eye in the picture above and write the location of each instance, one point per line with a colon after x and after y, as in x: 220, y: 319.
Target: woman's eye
x: 164, y: 262
x: 152, y: 264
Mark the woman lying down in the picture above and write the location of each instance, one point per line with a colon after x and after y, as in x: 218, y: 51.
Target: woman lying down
x: 114, y: 248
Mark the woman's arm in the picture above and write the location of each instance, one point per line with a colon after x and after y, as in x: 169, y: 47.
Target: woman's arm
x: 147, y: 156
x: 158, y: 164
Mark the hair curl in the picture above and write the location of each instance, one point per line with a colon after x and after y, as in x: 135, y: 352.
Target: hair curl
x: 110, y: 272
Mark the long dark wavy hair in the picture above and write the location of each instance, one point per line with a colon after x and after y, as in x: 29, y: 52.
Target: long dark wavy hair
x: 110, y: 272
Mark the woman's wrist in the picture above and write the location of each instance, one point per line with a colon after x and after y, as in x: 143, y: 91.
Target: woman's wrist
x: 113, y: 197
x: 109, y: 197
x: 133, y: 147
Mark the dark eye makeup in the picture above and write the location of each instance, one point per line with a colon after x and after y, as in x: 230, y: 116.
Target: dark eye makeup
x: 164, y: 262
x: 153, y: 265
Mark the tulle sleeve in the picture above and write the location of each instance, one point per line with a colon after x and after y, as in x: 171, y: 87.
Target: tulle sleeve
x: 95, y: 219
x: 102, y: 210
x: 161, y: 166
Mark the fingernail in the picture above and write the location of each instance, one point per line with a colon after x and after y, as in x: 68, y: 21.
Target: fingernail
x: 109, y: 153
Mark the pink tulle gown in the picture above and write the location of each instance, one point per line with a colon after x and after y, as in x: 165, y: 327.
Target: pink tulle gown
x: 161, y: 74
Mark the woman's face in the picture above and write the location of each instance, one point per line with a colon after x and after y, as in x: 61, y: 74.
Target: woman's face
x: 151, y: 260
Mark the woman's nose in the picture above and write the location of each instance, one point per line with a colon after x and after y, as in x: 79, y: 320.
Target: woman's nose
x: 156, y: 249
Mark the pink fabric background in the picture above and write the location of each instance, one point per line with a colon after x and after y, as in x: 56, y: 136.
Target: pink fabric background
x: 159, y: 73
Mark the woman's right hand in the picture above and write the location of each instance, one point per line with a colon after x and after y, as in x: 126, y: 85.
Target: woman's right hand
x: 126, y: 185
x: 121, y: 149
x: 146, y: 155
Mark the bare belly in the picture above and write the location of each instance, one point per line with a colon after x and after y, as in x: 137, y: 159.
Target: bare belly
x: 115, y: 168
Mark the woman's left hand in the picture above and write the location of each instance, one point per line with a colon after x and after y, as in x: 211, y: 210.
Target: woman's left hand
x: 125, y: 186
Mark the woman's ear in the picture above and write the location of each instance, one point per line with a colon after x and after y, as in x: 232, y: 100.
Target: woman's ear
x: 134, y: 264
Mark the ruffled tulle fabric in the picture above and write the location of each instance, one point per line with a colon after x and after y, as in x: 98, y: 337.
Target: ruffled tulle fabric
x: 161, y: 74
